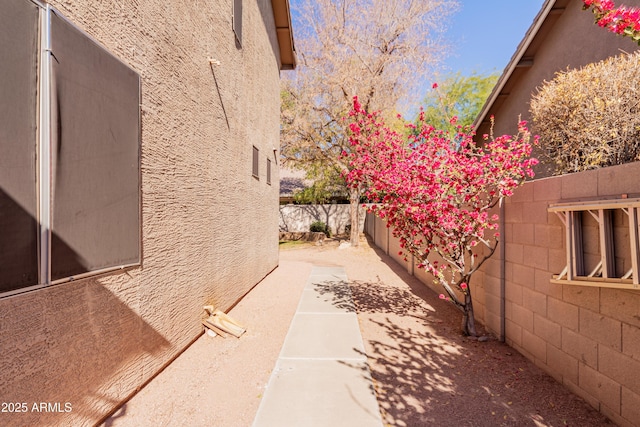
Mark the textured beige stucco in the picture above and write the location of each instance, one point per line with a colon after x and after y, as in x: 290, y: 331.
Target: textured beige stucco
x: 209, y: 229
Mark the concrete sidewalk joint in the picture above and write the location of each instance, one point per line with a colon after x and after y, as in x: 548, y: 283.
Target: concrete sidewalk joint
x: 321, y: 377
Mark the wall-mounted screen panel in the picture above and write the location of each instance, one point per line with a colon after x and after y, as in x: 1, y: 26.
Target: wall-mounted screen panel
x: 18, y: 144
x: 255, y: 166
x: 237, y: 20
x: 95, y: 156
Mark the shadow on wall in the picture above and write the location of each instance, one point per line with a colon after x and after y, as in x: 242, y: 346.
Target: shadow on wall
x: 426, y: 373
x: 18, y: 245
x: 266, y: 13
x: 283, y: 223
x: 76, y: 344
x: 300, y: 217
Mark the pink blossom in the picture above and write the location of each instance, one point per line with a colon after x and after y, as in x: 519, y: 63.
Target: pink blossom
x: 437, y: 195
x: 623, y: 20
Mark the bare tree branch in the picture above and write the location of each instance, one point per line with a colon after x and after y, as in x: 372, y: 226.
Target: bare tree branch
x: 380, y: 50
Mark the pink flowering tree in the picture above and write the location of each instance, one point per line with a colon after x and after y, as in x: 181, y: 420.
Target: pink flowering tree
x: 622, y: 20
x: 436, y: 191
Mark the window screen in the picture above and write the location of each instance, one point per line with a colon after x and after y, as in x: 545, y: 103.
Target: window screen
x: 92, y: 194
x: 269, y: 171
x: 256, y: 160
x: 95, y: 149
x: 237, y: 20
x: 18, y: 142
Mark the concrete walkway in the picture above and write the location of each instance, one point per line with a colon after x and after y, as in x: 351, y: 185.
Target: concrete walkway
x: 416, y: 355
x: 321, y: 377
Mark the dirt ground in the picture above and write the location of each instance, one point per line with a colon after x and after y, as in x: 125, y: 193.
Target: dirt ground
x: 425, y: 372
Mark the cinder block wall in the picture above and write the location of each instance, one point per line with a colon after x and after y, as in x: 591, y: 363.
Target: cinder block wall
x: 209, y: 229
x: 587, y: 338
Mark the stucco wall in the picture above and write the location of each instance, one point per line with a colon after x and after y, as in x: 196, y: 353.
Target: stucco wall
x: 587, y: 338
x: 300, y: 217
x: 209, y: 229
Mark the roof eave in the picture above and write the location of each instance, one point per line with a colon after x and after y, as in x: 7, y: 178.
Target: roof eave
x: 284, y: 33
x: 515, y: 60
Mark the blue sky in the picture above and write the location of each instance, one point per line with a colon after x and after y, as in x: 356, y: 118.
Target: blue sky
x: 485, y: 33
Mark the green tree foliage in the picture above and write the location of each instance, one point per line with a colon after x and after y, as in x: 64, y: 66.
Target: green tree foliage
x: 328, y: 184
x: 589, y: 118
x: 457, y: 96
x: 320, y: 227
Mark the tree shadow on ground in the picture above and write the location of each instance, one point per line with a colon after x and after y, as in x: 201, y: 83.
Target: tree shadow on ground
x: 338, y: 293
x: 425, y: 372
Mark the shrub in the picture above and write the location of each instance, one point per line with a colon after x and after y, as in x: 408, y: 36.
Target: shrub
x: 347, y: 229
x: 589, y: 118
x: 320, y: 227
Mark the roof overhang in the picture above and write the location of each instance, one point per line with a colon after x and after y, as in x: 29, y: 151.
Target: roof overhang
x: 284, y: 32
x: 522, y: 58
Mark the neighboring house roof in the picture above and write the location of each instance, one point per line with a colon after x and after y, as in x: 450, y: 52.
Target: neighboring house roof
x: 562, y: 37
x: 282, y: 16
x: 524, y: 55
x: 291, y: 181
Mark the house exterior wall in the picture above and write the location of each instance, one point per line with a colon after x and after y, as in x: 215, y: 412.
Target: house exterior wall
x: 209, y: 229
x: 587, y: 338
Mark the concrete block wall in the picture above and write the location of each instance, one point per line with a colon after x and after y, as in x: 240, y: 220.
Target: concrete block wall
x: 209, y: 228
x: 398, y: 255
x: 382, y: 235
x: 587, y: 338
x: 575, y: 333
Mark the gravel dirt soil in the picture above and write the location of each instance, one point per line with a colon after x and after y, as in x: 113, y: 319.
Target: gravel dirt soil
x: 425, y: 372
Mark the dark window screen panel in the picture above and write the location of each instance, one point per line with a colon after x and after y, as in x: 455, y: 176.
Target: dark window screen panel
x: 18, y: 141
x: 268, y: 171
x: 237, y: 20
x: 95, y: 149
x: 256, y: 159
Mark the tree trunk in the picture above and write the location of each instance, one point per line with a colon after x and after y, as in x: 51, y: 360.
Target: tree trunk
x: 468, y: 321
x: 354, y: 205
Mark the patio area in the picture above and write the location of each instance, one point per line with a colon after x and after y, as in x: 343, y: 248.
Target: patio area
x: 423, y: 371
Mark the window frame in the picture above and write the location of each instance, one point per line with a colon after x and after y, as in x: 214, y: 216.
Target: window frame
x: 45, y: 154
x: 269, y: 171
x: 255, y: 166
x: 601, y: 210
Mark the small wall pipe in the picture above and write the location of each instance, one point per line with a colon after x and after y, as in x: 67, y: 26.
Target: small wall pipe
x: 503, y: 268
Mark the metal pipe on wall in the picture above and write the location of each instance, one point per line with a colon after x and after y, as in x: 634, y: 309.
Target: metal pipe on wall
x: 503, y: 268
